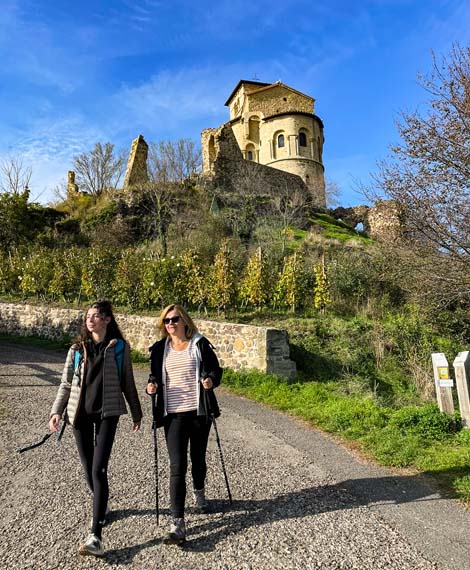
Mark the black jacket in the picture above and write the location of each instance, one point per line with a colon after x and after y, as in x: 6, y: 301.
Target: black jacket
x: 208, y: 368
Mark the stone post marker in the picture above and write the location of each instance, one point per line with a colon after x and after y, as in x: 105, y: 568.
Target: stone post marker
x: 462, y: 379
x: 443, y: 382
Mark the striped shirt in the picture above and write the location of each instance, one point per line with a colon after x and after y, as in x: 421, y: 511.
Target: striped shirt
x: 181, y: 388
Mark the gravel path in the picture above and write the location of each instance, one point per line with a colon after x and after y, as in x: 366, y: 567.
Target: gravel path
x: 300, y: 501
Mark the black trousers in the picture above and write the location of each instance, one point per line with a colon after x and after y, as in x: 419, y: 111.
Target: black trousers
x: 95, y: 440
x: 181, y: 430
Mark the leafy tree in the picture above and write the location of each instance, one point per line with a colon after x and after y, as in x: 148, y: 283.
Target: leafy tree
x: 428, y: 177
x: 221, y: 282
x: 292, y: 284
x: 254, y: 285
x: 22, y: 222
x: 99, y: 169
x: 190, y: 283
x: 321, y: 296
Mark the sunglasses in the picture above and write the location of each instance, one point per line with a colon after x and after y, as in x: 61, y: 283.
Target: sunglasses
x: 173, y: 320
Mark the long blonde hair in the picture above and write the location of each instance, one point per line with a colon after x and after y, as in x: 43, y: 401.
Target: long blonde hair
x: 189, y: 327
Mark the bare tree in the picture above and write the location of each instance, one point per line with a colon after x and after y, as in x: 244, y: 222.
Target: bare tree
x: 99, y: 169
x: 428, y: 176
x: 290, y: 208
x: 173, y: 161
x: 332, y: 193
x: 14, y: 175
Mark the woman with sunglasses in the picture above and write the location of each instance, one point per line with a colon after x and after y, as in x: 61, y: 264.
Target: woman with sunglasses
x: 97, y: 377
x: 184, y: 372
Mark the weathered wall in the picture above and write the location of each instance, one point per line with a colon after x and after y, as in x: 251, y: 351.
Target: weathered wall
x: 384, y: 221
x: 230, y: 171
x: 237, y: 346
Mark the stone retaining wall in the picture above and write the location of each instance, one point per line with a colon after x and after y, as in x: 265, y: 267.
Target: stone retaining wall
x: 237, y: 346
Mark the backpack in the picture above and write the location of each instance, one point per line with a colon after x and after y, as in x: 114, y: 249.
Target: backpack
x: 118, y: 353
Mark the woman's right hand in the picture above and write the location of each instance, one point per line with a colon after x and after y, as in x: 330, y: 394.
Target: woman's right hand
x: 151, y: 388
x: 54, y: 422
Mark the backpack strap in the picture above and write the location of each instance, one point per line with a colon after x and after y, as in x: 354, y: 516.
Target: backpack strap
x: 78, y: 357
x: 119, y: 354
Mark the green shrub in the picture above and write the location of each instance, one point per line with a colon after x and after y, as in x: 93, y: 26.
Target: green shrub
x: 353, y: 418
x: 426, y: 422
x: 11, y: 268
x: 67, y: 274
x: 128, y: 279
x: 98, y: 272
x: 392, y: 447
x: 462, y: 488
x: 37, y: 273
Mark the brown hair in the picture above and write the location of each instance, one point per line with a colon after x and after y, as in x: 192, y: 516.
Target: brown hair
x: 189, y: 327
x: 105, y: 309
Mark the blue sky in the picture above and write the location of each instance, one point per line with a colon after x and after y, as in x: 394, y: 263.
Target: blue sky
x: 75, y: 73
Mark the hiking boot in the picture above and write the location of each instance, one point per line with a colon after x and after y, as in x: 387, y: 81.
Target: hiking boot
x: 177, y: 534
x: 201, y: 505
x: 93, y: 546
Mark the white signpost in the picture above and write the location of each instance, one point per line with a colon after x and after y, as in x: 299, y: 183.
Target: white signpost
x: 462, y: 379
x: 443, y: 382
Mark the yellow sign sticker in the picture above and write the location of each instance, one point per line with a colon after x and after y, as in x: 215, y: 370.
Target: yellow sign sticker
x: 443, y: 372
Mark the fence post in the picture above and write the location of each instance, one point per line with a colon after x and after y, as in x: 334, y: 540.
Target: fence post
x: 443, y: 382
x: 462, y: 380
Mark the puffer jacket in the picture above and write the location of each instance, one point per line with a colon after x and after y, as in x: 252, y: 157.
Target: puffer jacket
x: 114, y: 390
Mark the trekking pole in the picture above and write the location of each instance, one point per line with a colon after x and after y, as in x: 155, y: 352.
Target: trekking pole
x: 155, y: 464
x: 37, y: 444
x: 211, y: 415
x: 43, y: 440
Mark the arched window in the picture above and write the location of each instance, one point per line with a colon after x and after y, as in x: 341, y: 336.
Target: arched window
x: 302, y: 139
x: 280, y: 141
x: 249, y: 155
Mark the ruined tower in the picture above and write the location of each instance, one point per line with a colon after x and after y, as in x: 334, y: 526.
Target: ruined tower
x: 72, y: 187
x: 136, y: 171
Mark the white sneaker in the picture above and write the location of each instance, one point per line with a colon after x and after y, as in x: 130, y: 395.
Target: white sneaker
x: 177, y: 534
x: 92, y: 546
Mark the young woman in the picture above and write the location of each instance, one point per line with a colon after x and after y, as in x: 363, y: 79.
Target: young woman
x: 97, y: 376
x: 185, y: 370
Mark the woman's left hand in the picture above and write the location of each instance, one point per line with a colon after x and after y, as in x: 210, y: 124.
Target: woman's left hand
x: 207, y: 383
x: 136, y: 427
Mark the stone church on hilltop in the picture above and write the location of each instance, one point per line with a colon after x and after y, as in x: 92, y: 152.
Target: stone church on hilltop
x: 272, y: 125
x: 271, y: 145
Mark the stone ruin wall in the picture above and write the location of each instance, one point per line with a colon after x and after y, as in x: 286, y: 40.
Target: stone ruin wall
x: 224, y: 163
x: 237, y: 346
x: 382, y: 221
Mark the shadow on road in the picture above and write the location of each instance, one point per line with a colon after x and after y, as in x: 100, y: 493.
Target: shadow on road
x: 205, y: 531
